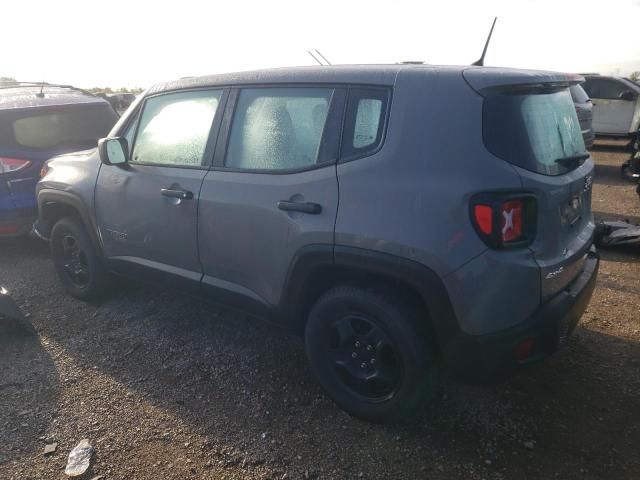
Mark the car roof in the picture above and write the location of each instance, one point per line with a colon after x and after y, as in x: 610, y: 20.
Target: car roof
x: 634, y: 85
x: 352, y: 74
x: 28, y: 96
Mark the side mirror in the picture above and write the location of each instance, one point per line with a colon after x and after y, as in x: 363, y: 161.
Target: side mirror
x: 628, y: 95
x: 113, y: 150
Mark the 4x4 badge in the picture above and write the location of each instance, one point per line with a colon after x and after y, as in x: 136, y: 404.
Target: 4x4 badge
x: 588, y: 182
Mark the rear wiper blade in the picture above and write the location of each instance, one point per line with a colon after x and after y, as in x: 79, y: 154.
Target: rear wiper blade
x: 572, y: 159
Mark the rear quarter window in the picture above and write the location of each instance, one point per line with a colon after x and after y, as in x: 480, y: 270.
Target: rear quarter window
x: 533, y: 130
x: 365, y: 122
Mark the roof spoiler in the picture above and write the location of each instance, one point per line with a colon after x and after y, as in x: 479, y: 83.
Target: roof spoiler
x: 486, y: 81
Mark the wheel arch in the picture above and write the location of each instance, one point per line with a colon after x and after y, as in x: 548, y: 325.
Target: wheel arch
x: 54, y: 205
x: 316, y: 269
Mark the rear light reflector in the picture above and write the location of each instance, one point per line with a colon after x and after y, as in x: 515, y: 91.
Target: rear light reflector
x: 505, y: 220
x: 511, y: 220
x: 10, y: 165
x: 8, y: 229
x: 525, y: 349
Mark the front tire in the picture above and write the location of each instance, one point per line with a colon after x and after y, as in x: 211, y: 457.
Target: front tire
x: 370, y: 353
x: 76, y: 261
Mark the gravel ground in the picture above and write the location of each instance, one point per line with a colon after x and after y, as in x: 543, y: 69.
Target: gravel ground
x: 165, y: 387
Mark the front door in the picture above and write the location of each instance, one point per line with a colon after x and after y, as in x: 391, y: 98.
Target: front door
x: 273, y: 192
x: 147, y: 209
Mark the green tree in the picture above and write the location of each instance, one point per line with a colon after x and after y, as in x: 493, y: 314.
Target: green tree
x: 635, y: 76
x: 7, y: 81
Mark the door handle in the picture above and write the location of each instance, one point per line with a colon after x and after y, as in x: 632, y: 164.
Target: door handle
x: 304, y: 207
x: 181, y: 194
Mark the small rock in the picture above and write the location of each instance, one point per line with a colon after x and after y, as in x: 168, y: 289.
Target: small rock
x: 487, y: 461
x: 98, y: 477
x: 530, y: 444
x: 79, y: 459
x: 51, y: 448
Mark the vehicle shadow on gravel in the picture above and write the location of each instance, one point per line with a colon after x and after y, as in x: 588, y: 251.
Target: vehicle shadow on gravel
x: 29, y: 389
x: 246, y: 389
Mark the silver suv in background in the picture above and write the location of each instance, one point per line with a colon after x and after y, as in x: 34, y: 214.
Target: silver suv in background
x: 616, y: 103
x: 342, y: 203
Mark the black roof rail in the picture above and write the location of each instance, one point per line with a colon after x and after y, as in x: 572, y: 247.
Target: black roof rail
x: 46, y: 84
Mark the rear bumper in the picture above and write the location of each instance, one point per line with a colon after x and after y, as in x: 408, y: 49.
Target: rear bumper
x: 16, y: 223
x: 491, y: 357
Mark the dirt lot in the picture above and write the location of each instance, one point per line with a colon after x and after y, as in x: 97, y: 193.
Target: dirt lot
x: 165, y: 387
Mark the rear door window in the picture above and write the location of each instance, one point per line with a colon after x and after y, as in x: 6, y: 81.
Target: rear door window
x: 533, y: 130
x: 278, y: 128
x: 605, y: 88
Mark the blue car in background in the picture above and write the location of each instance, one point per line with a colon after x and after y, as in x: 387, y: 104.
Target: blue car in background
x: 37, y: 122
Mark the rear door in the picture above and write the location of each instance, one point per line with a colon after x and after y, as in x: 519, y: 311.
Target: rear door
x: 147, y: 209
x: 272, y: 190
x: 611, y: 114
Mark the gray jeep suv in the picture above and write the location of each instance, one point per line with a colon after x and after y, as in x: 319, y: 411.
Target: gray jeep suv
x: 405, y: 219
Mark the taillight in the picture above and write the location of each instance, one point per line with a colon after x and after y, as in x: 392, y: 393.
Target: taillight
x: 505, y: 220
x: 483, y: 215
x: 10, y: 165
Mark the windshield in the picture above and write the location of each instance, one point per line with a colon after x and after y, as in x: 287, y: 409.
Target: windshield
x: 533, y: 130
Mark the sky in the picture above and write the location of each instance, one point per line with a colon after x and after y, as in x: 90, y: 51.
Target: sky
x: 134, y: 43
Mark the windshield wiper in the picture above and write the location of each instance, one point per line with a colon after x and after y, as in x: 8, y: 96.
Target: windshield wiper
x: 572, y: 160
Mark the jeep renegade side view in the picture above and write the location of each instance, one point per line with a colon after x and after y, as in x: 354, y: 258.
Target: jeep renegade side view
x: 402, y: 218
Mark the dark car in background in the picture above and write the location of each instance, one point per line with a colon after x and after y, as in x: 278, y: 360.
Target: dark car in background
x: 584, y: 110
x: 120, y: 101
x: 37, y: 122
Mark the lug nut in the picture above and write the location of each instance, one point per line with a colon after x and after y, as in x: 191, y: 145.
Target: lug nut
x: 373, y: 361
x: 357, y: 344
x: 369, y: 348
x: 354, y: 355
x: 363, y: 365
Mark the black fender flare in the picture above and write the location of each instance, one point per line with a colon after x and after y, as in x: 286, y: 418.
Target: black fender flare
x: 47, y: 197
x: 422, y: 279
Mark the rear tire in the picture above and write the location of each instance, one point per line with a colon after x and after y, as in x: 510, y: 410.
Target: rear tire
x: 370, y: 353
x: 76, y: 261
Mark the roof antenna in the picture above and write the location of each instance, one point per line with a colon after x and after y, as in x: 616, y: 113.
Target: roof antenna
x: 322, y: 56
x: 480, y: 61
x: 40, y: 94
x: 315, y: 58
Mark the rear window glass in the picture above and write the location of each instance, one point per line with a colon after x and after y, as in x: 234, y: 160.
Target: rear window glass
x: 58, y: 128
x: 578, y: 94
x: 533, y: 130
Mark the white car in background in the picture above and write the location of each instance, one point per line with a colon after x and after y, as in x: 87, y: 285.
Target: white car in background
x: 616, y: 102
